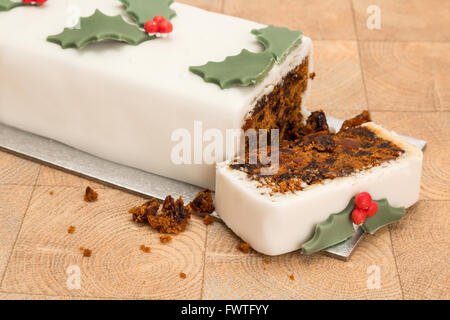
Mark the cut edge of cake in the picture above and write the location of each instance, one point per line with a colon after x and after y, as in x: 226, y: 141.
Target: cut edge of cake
x: 280, y: 223
x: 277, y: 77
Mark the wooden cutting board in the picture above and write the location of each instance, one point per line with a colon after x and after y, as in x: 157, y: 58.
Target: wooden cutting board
x: 400, y: 73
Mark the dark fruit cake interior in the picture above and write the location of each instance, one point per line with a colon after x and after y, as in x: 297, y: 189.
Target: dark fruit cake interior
x: 318, y: 154
x: 281, y: 108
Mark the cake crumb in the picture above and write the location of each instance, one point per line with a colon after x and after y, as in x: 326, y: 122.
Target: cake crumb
x: 244, y: 247
x: 165, y: 238
x: 266, y: 261
x: 312, y: 75
x: 86, y: 252
x: 207, y: 220
x: 90, y: 195
x: 291, y: 277
x: 356, y: 121
x: 71, y: 229
x: 141, y: 213
x: 203, y: 202
x: 51, y: 193
x: 182, y: 275
x: 145, y: 248
x: 172, y: 217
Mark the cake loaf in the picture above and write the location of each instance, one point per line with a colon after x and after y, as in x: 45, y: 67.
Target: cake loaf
x: 123, y: 103
x: 318, y: 176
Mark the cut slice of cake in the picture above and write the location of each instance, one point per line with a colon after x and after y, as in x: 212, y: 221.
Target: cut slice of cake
x: 127, y: 103
x: 318, y: 176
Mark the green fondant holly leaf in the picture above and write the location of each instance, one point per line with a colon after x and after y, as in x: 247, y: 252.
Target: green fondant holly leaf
x: 6, y: 5
x: 99, y: 27
x: 279, y: 41
x: 248, y: 67
x: 143, y: 10
x: 385, y: 215
x: 337, y: 228
x: 244, y: 69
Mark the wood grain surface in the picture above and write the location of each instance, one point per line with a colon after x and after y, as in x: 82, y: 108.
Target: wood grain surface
x: 400, y: 72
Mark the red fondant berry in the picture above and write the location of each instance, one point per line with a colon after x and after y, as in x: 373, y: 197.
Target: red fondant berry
x: 151, y: 27
x: 358, y: 216
x: 165, y: 27
x: 363, y: 200
x: 372, y: 210
x: 34, y: 1
x: 159, y: 19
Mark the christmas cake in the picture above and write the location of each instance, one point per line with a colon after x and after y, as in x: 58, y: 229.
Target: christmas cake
x: 151, y: 84
x: 103, y: 87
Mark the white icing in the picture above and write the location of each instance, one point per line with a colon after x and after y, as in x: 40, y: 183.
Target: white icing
x: 281, y: 223
x: 122, y: 102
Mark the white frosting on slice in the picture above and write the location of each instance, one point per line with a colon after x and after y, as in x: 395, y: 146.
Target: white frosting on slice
x: 281, y: 223
x: 123, y: 102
